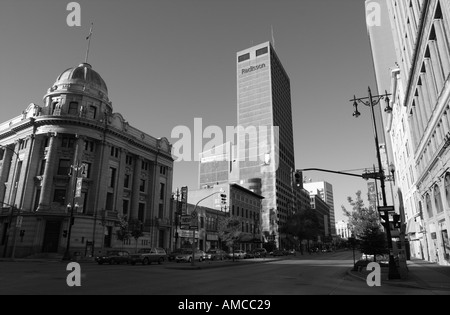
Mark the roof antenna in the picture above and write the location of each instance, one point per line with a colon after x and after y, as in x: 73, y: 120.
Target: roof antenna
x: 88, y: 38
x: 273, y: 38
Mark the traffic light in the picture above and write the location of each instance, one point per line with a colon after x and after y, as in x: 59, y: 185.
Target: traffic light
x: 298, y: 178
x: 397, y: 222
x: 224, y: 198
x: 65, y: 233
x: 384, y: 216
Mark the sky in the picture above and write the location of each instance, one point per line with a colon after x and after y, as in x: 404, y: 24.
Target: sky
x: 167, y: 62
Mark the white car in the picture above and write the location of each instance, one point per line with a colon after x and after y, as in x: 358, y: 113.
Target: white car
x: 238, y: 253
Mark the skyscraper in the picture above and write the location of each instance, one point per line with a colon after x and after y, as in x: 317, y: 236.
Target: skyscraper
x: 265, y: 136
x: 325, y: 191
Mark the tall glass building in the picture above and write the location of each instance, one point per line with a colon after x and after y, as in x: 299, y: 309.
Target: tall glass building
x: 265, y: 136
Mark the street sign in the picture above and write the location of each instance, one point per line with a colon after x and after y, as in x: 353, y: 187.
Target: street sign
x: 194, y: 215
x: 185, y: 222
x: 387, y: 208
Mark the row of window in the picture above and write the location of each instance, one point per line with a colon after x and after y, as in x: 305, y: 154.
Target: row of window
x: 259, y: 52
x: 437, y: 206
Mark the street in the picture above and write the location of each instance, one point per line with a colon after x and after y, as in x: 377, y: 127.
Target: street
x: 316, y: 274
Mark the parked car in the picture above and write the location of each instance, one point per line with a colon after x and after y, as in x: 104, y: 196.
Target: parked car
x: 259, y: 252
x: 216, y: 254
x: 186, y: 256
x: 238, y: 253
x: 114, y: 257
x: 148, y: 255
x: 174, y: 254
x: 278, y: 252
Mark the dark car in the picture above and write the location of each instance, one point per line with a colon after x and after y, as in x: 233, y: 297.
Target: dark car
x: 174, y: 254
x: 278, y: 252
x: 259, y: 252
x: 114, y: 257
x: 216, y: 254
x: 146, y: 256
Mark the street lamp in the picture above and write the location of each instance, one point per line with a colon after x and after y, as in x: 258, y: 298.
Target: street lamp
x: 76, y: 184
x: 371, y: 101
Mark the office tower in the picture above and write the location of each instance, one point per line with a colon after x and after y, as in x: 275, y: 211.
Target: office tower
x: 265, y: 136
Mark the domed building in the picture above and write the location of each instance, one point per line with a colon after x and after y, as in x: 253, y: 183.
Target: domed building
x: 73, y: 157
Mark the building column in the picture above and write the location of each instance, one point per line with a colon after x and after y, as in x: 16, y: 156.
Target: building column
x: 11, y: 189
x: 29, y: 170
x: 47, y: 179
x: 120, y: 177
x: 134, y: 207
x: 5, y: 172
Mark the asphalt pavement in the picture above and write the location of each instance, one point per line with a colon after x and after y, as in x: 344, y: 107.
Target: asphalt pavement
x: 420, y: 274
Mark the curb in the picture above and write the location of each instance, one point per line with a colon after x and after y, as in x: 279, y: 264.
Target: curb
x: 218, y: 265
x: 387, y: 282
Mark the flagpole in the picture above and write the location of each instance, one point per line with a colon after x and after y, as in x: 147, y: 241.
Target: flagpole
x: 89, y: 43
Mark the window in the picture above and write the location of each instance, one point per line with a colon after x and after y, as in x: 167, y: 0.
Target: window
x: 428, y: 205
x: 2, y: 153
x: 145, y: 166
x: 142, y: 185
x: 109, y: 201
x: 437, y: 199
x: 162, y: 191
x: 125, y: 207
x: 129, y: 160
x: 63, y: 167
x: 37, y: 196
x: 244, y: 57
x: 447, y: 188
x: 141, y: 211
x: 42, y: 168
x: 92, y: 112
x: 68, y: 142
x: 112, y: 177
x: 60, y: 196
x: 89, y: 146
x: 114, y: 151
x: 261, y: 51
x: 161, y: 211
x: 73, y: 108
x: 126, y: 181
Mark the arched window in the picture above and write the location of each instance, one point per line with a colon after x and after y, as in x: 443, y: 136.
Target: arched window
x: 437, y: 199
x: 447, y: 188
x: 428, y: 203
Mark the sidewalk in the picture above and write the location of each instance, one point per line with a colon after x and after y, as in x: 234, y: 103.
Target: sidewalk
x: 421, y: 274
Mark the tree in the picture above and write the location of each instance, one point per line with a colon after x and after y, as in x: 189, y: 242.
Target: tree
x: 123, y: 233
x: 304, y: 224
x: 365, y: 224
x: 230, y: 231
x: 373, y: 242
x: 136, y: 229
x: 361, y: 218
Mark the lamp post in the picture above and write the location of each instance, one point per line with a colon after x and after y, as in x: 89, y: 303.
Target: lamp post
x: 371, y: 101
x: 76, y: 192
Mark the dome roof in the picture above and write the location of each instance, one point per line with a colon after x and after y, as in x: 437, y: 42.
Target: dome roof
x: 82, y: 73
